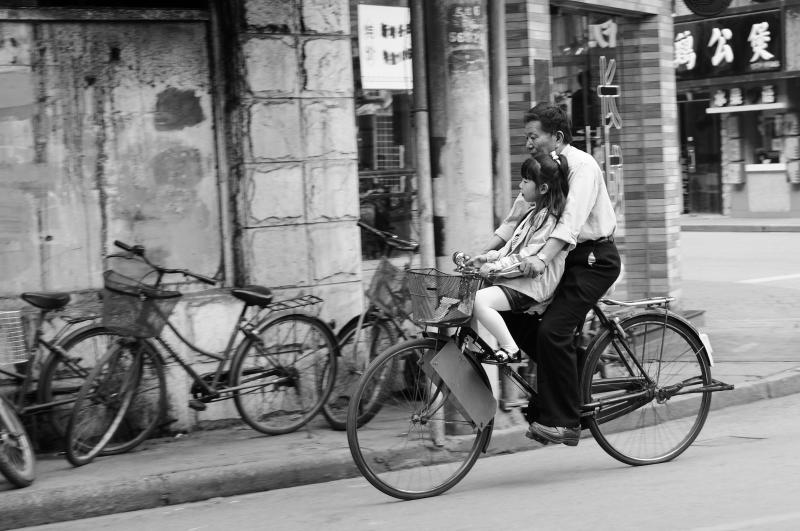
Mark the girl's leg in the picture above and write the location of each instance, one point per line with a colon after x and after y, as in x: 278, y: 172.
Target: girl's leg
x: 488, y: 303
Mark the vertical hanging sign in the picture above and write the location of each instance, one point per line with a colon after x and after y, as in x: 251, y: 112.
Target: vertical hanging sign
x: 608, y: 93
x: 384, y: 47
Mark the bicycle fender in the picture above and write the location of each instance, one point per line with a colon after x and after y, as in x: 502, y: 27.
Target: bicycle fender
x: 685, y: 322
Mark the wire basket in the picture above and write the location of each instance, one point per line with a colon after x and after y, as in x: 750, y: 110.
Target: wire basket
x: 134, y: 308
x: 13, y: 346
x: 441, y: 299
x: 388, y: 289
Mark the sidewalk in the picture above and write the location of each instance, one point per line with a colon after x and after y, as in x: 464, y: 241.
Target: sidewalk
x: 720, y: 223
x: 757, y: 355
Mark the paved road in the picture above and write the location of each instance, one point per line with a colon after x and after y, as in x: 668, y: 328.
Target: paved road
x: 740, y: 474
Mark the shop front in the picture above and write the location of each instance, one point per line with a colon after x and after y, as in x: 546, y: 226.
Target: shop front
x: 739, y: 96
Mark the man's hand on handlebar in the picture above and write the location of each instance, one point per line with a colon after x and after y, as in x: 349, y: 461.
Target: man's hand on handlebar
x: 531, y: 268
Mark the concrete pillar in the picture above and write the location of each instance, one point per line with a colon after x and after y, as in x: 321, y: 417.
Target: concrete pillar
x: 295, y: 154
x: 461, y: 135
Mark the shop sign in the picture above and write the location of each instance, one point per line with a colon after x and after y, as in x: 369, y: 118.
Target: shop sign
x: 729, y: 46
x: 603, y: 34
x: 384, y: 47
x: 736, y: 96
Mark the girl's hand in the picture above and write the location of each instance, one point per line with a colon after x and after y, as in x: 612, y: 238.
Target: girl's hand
x: 489, y: 268
x: 477, y: 261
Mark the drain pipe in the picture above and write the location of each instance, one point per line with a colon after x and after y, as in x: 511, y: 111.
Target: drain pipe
x: 501, y: 157
x: 423, y: 151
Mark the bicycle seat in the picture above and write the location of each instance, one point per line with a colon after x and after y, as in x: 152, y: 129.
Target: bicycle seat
x: 46, y: 300
x: 253, y: 295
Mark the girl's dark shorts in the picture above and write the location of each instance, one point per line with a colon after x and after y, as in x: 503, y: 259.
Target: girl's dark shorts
x: 519, y: 302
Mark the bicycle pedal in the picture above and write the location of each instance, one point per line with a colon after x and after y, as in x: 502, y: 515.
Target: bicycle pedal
x: 197, y: 405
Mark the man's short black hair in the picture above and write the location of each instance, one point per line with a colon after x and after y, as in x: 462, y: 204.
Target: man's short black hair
x: 552, y: 117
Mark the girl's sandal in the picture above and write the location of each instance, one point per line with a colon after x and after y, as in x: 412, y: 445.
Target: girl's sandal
x: 502, y: 356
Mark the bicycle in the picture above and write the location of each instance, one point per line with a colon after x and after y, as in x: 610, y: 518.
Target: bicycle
x: 47, y: 376
x: 374, y: 330
x: 17, y: 460
x: 279, y: 373
x: 646, y: 385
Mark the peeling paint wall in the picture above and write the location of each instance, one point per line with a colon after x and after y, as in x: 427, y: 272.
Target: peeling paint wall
x: 106, y: 133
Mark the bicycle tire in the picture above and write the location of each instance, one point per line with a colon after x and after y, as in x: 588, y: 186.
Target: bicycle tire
x: 149, y: 402
x: 17, y: 458
x: 102, y: 403
x: 62, y: 378
x: 290, y: 369
x: 655, y: 427
x: 377, y: 334
x: 400, y: 452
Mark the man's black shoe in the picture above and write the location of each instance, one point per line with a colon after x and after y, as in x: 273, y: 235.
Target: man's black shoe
x: 557, y: 435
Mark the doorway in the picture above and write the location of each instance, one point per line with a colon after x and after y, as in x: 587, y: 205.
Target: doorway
x: 701, y: 161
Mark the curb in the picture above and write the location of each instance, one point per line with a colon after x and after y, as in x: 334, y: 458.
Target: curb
x: 739, y: 228
x: 21, y: 508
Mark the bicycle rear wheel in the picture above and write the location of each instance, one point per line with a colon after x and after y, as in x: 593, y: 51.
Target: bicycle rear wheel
x: 62, y: 375
x: 286, y: 374
x: 17, y: 460
x: 417, y: 444
x: 101, y: 405
x: 655, y: 422
x: 376, y: 336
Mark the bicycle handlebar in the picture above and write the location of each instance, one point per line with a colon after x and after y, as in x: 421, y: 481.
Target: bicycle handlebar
x: 138, y: 250
x: 461, y: 259
x: 390, y: 239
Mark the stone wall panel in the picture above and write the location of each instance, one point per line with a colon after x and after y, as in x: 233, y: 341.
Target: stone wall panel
x: 329, y: 128
x: 330, y: 190
x: 326, y: 16
x: 327, y: 67
x: 278, y: 256
x: 272, y: 67
x: 274, y: 194
x: 336, y: 255
x: 275, y: 131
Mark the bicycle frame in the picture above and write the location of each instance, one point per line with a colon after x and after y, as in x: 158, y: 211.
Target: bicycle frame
x: 215, y: 389
x: 27, y: 379
x: 633, y: 391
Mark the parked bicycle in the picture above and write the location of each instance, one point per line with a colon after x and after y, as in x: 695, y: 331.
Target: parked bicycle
x: 383, y: 322
x: 45, y: 375
x: 646, y: 385
x: 278, y: 366
x: 17, y: 459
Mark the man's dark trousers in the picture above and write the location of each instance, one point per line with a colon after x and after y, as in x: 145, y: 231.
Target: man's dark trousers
x: 583, y: 283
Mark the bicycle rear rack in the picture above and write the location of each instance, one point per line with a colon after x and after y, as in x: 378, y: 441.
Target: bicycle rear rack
x: 291, y: 304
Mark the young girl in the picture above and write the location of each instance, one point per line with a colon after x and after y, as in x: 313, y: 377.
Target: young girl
x: 544, y: 183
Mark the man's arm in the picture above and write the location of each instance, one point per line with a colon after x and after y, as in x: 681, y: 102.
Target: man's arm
x: 506, y: 228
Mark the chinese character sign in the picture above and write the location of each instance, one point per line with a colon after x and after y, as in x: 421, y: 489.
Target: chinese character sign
x: 685, y: 56
x: 728, y: 46
x: 384, y: 47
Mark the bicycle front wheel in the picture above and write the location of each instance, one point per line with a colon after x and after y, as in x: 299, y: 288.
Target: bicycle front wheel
x: 64, y: 372
x: 284, y: 376
x: 17, y: 460
x: 376, y: 336
x: 102, y: 403
x: 417, y: 444
x: 651, y: 411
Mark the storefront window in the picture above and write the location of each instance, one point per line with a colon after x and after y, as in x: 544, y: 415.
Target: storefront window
x: 383, y: 93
